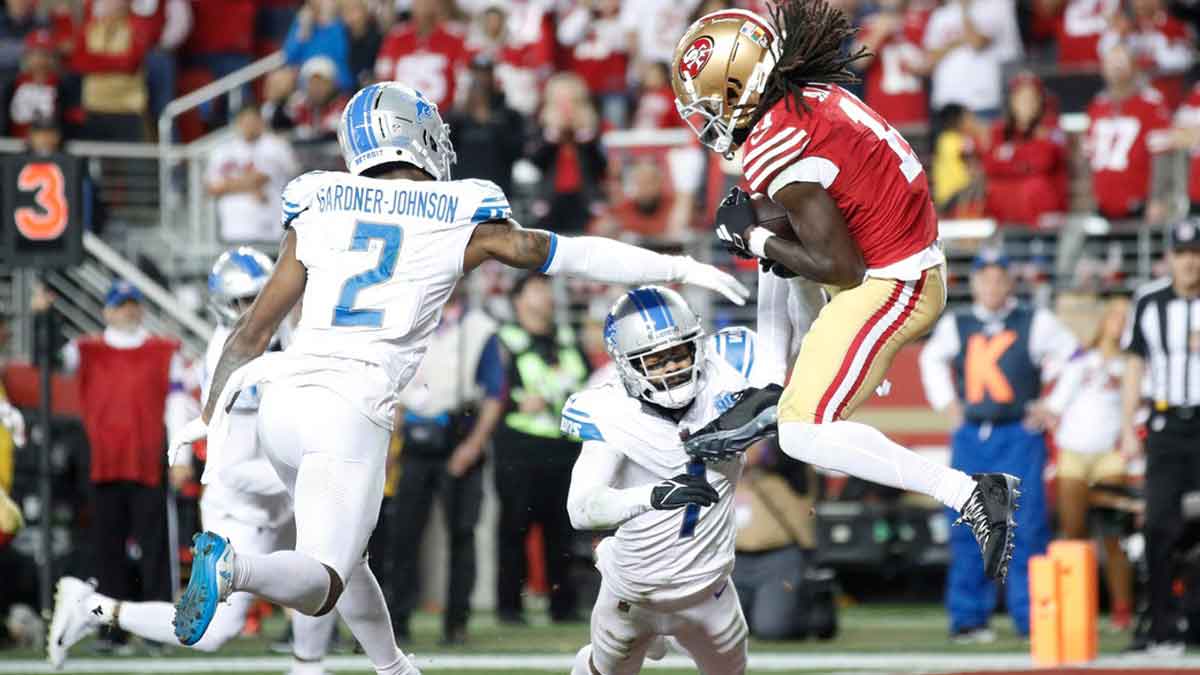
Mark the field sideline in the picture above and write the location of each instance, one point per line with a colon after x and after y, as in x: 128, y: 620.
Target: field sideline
x: 876, y: 638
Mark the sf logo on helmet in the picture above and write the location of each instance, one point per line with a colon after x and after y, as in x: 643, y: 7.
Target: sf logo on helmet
x: 696, y: 57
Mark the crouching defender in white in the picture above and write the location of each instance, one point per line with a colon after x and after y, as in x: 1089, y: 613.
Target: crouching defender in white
x: 375, y: 254
x: 666, y: 570
x: 246, y: 503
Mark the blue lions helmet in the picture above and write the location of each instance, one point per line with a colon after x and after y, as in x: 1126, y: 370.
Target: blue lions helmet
x: 392, y: 122
x: 235, y: 280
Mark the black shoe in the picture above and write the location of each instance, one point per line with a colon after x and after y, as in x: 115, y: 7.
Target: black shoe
x: 511, y: 618
x: 989, y: 513
x: 455, y: 636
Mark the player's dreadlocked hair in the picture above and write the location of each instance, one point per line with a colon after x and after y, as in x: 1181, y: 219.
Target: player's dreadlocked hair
x: 812, y: 36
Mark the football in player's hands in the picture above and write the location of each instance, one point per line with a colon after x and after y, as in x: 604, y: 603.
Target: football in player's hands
x: 682, y: 490
x: 770, y: 215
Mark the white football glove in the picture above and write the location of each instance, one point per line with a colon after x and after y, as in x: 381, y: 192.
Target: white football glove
x: 704, y: 275
x: 190, y: 433
x: 14, y: 421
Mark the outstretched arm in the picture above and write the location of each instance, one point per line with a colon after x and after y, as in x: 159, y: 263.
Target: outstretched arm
x: 252, y: 333
x: 826, y: 253
x: 595, y: 258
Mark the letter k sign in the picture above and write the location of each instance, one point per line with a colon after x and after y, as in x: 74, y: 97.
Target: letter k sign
x: 982, y: 365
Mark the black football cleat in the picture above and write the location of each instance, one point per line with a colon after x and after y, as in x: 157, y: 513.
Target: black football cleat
x: 989, y: 513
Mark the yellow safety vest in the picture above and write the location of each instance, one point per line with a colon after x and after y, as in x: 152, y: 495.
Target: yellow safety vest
x: 553, y: 383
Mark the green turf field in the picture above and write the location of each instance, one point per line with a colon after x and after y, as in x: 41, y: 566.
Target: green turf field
x: 871, y: 639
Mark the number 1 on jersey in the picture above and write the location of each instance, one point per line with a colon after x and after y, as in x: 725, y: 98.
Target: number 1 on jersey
x: 691, y: 512
x: 344, y: 314
x: 910, y: 165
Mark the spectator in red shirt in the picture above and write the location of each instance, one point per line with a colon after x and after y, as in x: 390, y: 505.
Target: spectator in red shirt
x: 656, y: 100
x: 1078, y: 25
x: 597, y: 46
x: 36, y: 91
x: 1187, y: 138
x: 893, y: 74
x: 569, y: 155
x: 132, y: 384
x: 1124, y: 133
x: 312, y: 113
x: 427, y: 52
x: 110, y: 47
x: 519, y: 38
x: 647, y: 213
x: 1026, y: 164
x: 222, y: 39
x: 1161, y: 45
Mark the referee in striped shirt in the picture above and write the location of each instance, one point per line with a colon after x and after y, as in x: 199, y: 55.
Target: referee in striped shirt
x: 1162, y: 340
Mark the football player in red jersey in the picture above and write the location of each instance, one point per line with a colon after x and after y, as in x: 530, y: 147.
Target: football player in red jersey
x: 863, y: 226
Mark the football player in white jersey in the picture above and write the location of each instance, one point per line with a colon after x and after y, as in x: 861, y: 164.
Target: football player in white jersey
x: 374, y: 253
x: 247, y: 503
x: 666, y: 570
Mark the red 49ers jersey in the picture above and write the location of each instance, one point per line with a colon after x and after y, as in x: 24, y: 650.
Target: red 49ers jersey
x: 1079, y: 29
x: 867, y: 167
x: 1188, y: 115
x: 1120, y: 141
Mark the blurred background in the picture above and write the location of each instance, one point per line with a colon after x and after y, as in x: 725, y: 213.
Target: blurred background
x: 1062, y: 134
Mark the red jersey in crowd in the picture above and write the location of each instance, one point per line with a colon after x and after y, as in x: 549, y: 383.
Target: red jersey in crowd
x: 222, y: 27
x: 1078, y: 31
x: 894, y: 86
x: 1026, y: 176
x: 1162, y: 46
x: 31, y: 99
x: 1121, y: 139
x: 146, y: 19
x: 1188, y: 115
x: 867, y: 167
x: 315, y: 121
x: 656, y: 110
x: 430, y: 63
x: 596, y: 49
x: 124, y: 393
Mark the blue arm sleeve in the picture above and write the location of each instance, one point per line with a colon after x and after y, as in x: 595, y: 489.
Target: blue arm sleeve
x: 489, y: 374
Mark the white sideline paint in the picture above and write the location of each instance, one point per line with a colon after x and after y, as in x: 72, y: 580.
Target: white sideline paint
x: 432, y: 663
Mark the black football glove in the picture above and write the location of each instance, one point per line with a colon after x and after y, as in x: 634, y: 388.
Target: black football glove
x: 754, y: 416
x: 735, y: 216
x: 682, y: 490
x: 778, y: 269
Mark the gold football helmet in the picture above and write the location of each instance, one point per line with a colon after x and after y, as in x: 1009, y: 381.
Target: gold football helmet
x: 719, y: 71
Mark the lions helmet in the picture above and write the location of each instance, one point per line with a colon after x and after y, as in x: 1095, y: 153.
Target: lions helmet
x: 652, y: 320
x: 390, y: 122
x: 719, y: 72
x: 237, y: 277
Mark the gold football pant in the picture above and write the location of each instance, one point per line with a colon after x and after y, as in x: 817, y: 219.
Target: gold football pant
x: 852, y: 342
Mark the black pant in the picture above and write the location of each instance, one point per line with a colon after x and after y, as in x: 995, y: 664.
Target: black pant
x: 123, y: 511
x: 533, y: 476
x: 1172, y: 469
x: 421, y: 478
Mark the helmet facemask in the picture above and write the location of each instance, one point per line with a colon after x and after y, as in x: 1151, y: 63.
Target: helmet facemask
x: 649, y: 375
x: 719, y: 74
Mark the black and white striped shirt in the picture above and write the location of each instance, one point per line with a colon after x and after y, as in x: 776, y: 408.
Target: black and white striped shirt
x: 1164, y: 329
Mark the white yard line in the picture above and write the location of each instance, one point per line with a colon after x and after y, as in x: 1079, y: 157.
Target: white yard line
x: 759, y: 662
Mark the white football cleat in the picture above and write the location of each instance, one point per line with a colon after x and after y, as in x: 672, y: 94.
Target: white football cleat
x: 73, y: 618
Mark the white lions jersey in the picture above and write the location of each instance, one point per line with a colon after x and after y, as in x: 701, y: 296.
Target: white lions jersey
x: 382, y: 257
x: 653, y: 558
x: 247, y: 489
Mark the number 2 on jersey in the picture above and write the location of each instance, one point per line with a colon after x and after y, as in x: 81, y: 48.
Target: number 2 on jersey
x: 344, y: 314
x: 910, y: 165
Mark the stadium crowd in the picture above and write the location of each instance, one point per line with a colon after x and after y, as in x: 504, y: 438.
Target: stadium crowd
x: 979, y: 86
x: 982, y: 88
